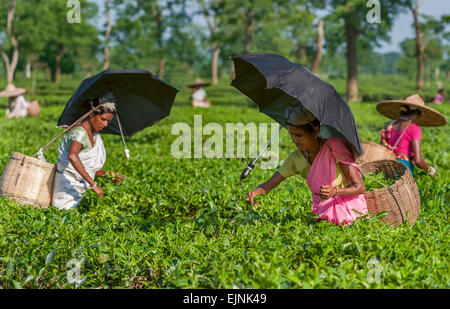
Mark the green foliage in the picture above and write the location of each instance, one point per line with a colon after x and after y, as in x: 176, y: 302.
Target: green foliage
x: 377, y: 181
x: 182, y: 40
x: 184, y: 223
x: 435, y: 41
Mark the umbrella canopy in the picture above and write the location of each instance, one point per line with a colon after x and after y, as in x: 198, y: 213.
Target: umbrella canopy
x: 274, y: 84
x: 142, y: 99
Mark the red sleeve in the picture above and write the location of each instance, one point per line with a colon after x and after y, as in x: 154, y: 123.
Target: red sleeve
x: 416, y: 133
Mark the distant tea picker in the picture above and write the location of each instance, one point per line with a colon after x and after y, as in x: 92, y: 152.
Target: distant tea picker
x: 403, y: 134
x: 439, y: 98
x: 198, y: 94
x: 17, y: 105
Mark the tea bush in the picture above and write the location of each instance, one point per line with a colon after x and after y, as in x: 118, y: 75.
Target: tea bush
x: 184, y: 223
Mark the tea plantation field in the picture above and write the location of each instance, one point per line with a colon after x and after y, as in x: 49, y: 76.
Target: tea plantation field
x: 184, y: 223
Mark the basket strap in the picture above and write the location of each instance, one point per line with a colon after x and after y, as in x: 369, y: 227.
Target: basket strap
x: 383, y: 184
x: 398, y: 205
x: 84, y: 117
x: 393, y: 195
x: 401, y: 135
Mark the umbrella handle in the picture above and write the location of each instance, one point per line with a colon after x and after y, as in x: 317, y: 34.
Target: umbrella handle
x: 251, y: 166
x: 127, y: 152
x: 247, y: 171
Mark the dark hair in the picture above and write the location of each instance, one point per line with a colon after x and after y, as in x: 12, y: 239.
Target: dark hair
x: 90, y: 104
x: 441, y: 90
x: 407, y: 111
x: 309, y: 127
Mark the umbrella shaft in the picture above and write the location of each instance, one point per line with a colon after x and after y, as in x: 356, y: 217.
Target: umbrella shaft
x: 267, y: 145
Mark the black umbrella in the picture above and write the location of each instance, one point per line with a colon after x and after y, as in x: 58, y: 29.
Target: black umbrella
x: 274, y: 84
x: 142, y: 99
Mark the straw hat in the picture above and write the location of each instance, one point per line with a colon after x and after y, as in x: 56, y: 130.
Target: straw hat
x: 12, y: 91
x: 430, y: 117
x: 198, y: 83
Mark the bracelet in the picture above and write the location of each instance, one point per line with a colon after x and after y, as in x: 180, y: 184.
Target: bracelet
x: 95, y: 184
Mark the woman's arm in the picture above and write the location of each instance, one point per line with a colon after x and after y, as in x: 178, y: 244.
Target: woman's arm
x: 355, y: 188
x: 417, y: 156
x: 265, y: 187
x: 74, y: 150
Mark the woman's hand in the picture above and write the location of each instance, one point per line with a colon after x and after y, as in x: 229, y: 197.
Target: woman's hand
x: 117, y: 178
x: 98, y: 191
x: 327, y: 192
x: 251, y: 195
x: 431, y: 171
x: 265, y: 188
x: 101, y: 173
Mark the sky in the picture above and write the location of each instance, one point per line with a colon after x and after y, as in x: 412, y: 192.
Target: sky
x: 401, y: 30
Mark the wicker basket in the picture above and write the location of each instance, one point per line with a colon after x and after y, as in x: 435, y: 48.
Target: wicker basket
x: 401, y: 200
x: 33, y: 109
x: 374, y: 152
x: 28, y: 180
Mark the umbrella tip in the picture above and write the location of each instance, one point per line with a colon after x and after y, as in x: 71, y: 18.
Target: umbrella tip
x: 127, y: 154
x: 247, y: 171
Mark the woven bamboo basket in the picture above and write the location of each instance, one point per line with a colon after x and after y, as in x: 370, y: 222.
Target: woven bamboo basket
x: 374, y: 152
x: 401, y: 200
x: 33, y: 109
x: 28, y: 180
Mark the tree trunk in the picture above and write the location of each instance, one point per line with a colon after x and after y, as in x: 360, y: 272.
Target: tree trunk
x: 11, y: 64
x: 437, y: 77
x: 248, y: 19
x: 302, y: 54
x: 318, y: 57
x: 28, y: 70
x: 162, y: 63
x: 33, y: 81
x: 57, y: 73
x: 215, y: 49
x: 48, y: 72
x: 215, y: 63
x: 233, y: 71
x: 419, y: 49
x: 107, y: 35
x: 352, y: 63
x: 157, y: 13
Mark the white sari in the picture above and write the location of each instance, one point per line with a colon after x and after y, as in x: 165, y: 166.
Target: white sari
x: 69, y: 185
x: 17, y: 107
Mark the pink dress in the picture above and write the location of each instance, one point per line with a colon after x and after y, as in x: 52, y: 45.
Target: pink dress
x: 404, y: 146
x: 339, y: 209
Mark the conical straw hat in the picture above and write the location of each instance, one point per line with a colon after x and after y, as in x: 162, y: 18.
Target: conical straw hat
x: 198, y: 83
x: 12, y: 91
x: 430, y: 117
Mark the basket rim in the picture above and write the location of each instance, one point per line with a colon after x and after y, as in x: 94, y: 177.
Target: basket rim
x: 403, y: 167
x: 28, y: 159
